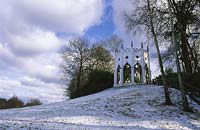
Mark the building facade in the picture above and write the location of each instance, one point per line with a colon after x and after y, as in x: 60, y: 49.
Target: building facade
x: 132, y: 66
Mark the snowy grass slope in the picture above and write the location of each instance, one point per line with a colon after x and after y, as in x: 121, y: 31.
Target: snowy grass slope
x: 138, y: 107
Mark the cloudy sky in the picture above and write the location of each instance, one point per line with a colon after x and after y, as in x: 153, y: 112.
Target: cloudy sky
x: 32, y: 31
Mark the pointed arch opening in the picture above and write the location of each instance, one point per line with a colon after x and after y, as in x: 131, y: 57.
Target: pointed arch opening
x: 127, y: 73
x: 118, y: 74
x: 138, y: 73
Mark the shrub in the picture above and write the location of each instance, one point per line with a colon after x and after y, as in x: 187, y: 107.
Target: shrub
x: 73, y: 91
x: 97, y: 81
x: 14, y: 102
x: 34, y: 102
x: 3, y: 103
x: 190, y: 81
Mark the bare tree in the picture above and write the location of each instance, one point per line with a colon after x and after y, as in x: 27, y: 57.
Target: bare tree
x: 145, y: 16
x: 75, y: 59
x: 167, y: 97
x: 79, y: 60
x: 186, y: 17
x: 184, y: 97
x: 187, y: 20
x: 101, y: 59
x: 113, y: 44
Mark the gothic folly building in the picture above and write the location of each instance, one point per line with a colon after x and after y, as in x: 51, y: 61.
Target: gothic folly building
x: 132, y: 66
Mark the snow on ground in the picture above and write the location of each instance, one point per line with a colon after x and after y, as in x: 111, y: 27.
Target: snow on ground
x: 130, y: 108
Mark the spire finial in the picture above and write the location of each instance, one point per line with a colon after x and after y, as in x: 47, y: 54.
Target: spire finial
x: 131, y: 43
x: 122, y: 46
x: 148, y: 48
x: 141, y: 44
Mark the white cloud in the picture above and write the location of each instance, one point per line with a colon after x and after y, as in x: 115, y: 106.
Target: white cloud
x: 120, y: 7
x: 44, y: 67
x: 29, y: 43
x: 26, y: 88
x: 30, y: 27
x: 34, y: 42
x: 73, y: 16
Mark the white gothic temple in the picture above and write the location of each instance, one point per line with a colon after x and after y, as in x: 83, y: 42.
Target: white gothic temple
x: 132, y: 66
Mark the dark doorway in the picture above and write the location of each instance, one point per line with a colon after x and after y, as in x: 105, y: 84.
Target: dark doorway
x: 127, y: 73
x: 138, y: 73
x: 118, y: 74
x: 147, y: 75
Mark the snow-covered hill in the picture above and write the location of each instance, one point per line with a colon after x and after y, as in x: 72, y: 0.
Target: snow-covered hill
x: 138, y: 107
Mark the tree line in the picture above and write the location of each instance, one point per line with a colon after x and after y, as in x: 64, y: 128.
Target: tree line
x: 15, y: 102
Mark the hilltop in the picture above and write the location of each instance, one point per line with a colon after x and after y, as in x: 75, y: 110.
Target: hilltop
x: 137, y: 107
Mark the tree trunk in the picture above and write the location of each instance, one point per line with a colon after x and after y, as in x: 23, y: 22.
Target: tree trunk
x: 166, y: 91
x: 185, y: 52
x: 79, y: 78
x: 194, y: 58
x: 183, y: 93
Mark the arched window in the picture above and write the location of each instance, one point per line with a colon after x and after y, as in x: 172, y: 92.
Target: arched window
x: 127, y: 73
x: 138, y: 73
x: 118, y: 74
